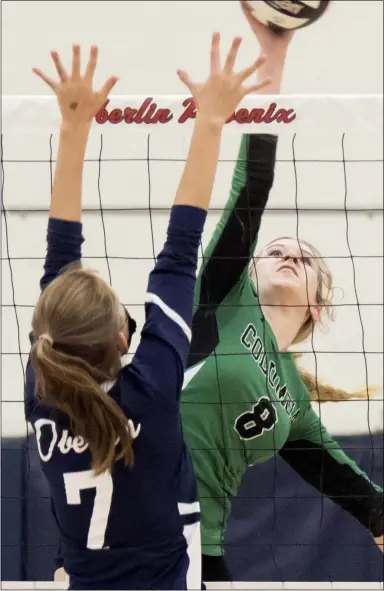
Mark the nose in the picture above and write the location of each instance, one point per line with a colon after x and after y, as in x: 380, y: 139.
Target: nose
x: 289, y: 257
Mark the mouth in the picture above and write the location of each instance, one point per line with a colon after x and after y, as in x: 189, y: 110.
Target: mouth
x: 288, y: 268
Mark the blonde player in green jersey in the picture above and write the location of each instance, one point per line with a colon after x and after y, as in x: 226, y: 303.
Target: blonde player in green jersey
x: 244, y: 399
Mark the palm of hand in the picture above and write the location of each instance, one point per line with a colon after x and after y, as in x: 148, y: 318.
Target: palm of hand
x: 217, y: 98
x: 77, y: 100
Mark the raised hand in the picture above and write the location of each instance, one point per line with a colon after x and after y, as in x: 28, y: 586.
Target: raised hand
x: 78, y: 102
x: 218, y: 97
x: 270, y: 42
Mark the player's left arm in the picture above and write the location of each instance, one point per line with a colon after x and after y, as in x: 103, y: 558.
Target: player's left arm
x: 64, y: 234
x: 316, y: 456
x: 78, y: 104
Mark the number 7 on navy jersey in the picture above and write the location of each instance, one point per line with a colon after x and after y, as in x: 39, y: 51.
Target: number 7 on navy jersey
x: 75, y: 482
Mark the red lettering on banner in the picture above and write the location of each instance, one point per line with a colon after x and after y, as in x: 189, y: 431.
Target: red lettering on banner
x: 102, y: 115
x: 116, y: 116
x: 163, y: 116
x: 129, y: 115
x: 141, y: 111
x: 151, y: 111
x: 241, y: 116
x: 148, y: 113
x: 244, y: 116
x: 286, y: 116
x: 256, y: 116
x: 190, y: 110
x: 270, y: 115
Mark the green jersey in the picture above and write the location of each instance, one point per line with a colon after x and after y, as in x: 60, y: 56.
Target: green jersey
x: 243, y: 401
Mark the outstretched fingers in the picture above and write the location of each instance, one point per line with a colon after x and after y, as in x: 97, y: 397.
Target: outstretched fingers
x: 185, y: 79
x: 59, y: 66
x: 107, y: 87
x: 215, y: 54
x: 256, y: 87
x: 247, y: 72
x: 92, y: 63
x: 51, y: 83
x: 76, y: 62
x: 232, y: 55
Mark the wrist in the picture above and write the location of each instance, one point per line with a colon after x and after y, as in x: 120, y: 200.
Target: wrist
x: 273, y: 69
x: 75, y: 130
x: 211, y: 124
x: 273, y: 65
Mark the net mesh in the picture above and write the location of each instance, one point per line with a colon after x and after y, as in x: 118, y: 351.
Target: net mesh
x: 328, y: 190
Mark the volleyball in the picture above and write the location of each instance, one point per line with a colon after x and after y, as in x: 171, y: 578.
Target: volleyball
x: 288, y: 14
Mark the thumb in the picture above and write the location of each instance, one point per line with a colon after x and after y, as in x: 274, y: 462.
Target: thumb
x: 185, y: 79
x: 254, y: 88
x: 106, y: 89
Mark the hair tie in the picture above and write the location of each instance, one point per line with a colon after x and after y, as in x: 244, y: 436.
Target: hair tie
x: 46, y: 337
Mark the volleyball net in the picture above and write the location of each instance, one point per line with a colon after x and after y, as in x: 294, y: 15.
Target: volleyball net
x: 328, y: 189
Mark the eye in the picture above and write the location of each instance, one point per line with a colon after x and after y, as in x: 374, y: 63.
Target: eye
x: 306, y: 261
x: 275, y: 253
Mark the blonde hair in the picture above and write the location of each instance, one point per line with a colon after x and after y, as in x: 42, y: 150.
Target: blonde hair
x: 320, y: 391
x: 76, y: 325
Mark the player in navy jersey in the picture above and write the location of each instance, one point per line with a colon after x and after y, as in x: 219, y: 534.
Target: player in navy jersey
x: 123, y: 490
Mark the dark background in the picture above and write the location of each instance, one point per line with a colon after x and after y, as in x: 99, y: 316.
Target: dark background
x: 280, y: 529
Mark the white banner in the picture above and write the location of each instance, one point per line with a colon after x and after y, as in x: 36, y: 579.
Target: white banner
x: 257, y: 113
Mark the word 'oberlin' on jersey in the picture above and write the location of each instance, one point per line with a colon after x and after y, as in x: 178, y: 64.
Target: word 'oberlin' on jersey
x: 252, y: 342
x: 67, y: 442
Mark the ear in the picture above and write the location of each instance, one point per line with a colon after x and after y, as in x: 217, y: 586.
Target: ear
x: 123, y: 344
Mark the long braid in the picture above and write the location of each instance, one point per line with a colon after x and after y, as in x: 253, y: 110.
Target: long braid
x: 323, y: 392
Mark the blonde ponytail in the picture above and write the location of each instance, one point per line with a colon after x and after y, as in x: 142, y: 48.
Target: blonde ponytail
x: 322, y: 392
x: 77, y: 324
x: 70, y: 385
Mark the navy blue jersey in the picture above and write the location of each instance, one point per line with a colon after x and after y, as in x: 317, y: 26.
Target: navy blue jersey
x: 131, y: 528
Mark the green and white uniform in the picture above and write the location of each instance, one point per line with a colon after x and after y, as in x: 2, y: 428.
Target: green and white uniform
x: 243, y: 401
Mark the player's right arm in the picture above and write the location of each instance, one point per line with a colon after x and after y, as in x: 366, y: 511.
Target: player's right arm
x: 226, y: 259
x: 162, y: 354
x: 231, y: 247
x: 315, y: 455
